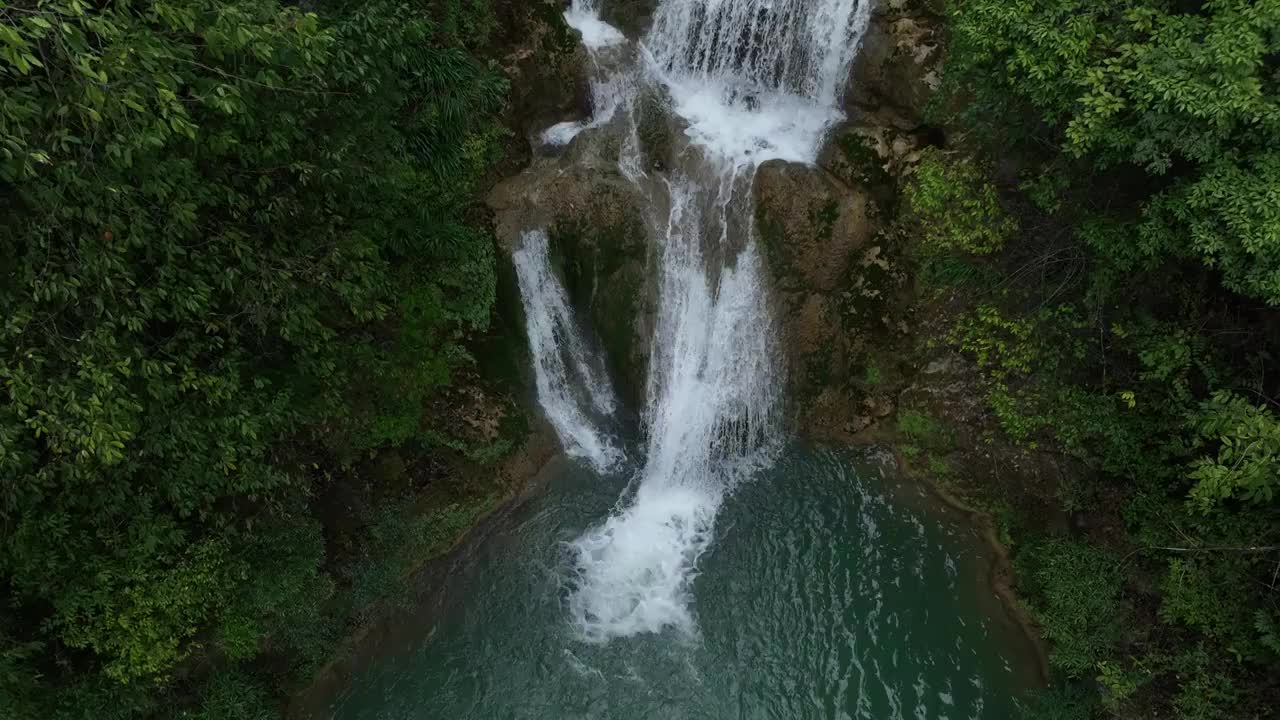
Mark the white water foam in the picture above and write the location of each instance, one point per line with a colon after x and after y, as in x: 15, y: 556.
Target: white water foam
x: 573, y: 388
x: 713, y: 401
x: 757, y: 80
x: 754, y: 80
x: 584, y: 16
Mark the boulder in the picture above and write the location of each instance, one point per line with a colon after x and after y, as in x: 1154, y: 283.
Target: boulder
x: 599, y: 241
x: 811, y: 224
x: 834, y: 282
x: 632, y: 17
x: 547, y: 69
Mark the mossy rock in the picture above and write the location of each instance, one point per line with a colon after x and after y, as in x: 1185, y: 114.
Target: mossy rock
x: 811, y: 227
x: 603, y: 265
x: 547, y: 70
x: 632, y: 17
x: 898, y: 65
x: 654, y: 130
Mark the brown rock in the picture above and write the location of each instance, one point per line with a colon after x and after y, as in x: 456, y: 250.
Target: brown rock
x: 812, y: 225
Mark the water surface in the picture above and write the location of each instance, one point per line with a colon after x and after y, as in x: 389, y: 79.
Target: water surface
x: 829, y: 590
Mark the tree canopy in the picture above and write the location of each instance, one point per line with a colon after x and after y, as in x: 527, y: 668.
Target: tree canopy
x: 1130, y: 320
x: 234, y: 231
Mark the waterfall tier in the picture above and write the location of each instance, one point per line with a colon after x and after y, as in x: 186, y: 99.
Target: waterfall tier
x: 750, y: 81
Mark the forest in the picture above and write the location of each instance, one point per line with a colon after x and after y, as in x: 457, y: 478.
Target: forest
x: 246, y: 274
x: 240, y: 255
x: 1109, y: 205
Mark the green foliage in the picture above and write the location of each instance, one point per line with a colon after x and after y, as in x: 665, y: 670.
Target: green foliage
x: 923, y: 430
x: 1134, y: 316
x: 1077, y: 587
x: 1208, y: 693
x: 1189, y: 95
x: 19, y: 680
x: 1246, y: 466
x: 1119, y: 682
x: 1206, y: 593
x: 231, y: 695
x: 143, y: 627
x: 958, y: 210
x: 1059, y: 702
x: 938, y: 467
x: 281, y: 595
x: 1268, y: 631
x: 238, y: 236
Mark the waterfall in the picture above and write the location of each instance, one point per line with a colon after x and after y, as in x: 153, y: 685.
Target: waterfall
x: 757, y: 79
x: 573, y: 388
x: 750, y: 80
x: 712, y: 417
x: 609, y: 78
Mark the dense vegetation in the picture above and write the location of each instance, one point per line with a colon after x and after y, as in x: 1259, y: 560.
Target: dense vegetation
x: 1111, y: 206
x: 242, y: 264
x: 240, y: 258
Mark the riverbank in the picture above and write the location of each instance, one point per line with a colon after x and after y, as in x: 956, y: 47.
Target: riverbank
x: 1001, y: 577
x: 524, y: 474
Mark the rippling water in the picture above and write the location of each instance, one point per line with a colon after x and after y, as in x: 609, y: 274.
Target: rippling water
x: 829, y: 591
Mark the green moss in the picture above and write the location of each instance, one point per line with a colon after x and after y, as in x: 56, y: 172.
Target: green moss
x: 938, y: 467
x: 872, y: 376
x: 824, y: 219
x: 773, y: 238
x: 865, y: 167
x: 615, y: 314
x: 653, y: 131
x: 924, y: 430
x: 400, y: 541
x: 501, y: 354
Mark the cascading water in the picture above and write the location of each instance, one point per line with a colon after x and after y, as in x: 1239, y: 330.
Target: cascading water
x: 751, y: 80
x: 757, y: 79
x: 572, y: 386
x: 712, y: 417
x: 609, y: 82
x: 833, y: 593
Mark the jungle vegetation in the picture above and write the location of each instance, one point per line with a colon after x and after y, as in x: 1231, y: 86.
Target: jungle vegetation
x: 1110, y: 204
x: 240, y: 257
x: 243, y: 263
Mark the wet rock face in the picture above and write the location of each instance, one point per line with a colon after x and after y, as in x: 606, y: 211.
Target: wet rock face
x: 599, y: 243
x: 834, y: 250
x: 835, y: 286
x: 632, y: 17
x: 899, y: 67
x: 811, y: 225
x: 547, y: 68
